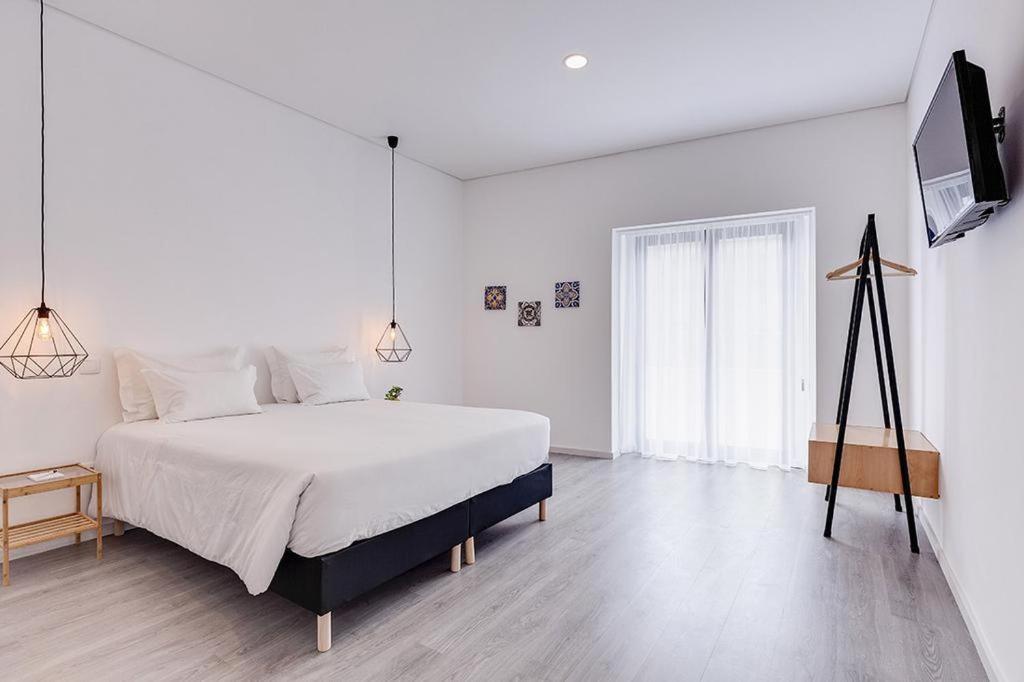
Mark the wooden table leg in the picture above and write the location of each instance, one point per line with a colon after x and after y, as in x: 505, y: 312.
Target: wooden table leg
x: 78, y: 508
x: 99, y: 516
x: 7, y: 545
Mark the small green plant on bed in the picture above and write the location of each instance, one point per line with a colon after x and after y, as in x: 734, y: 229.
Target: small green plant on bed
x: 394, y: 393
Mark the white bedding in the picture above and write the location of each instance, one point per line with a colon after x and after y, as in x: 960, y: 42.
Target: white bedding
x: 238, y: 490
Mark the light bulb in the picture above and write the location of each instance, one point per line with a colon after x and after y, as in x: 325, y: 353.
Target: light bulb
x: 575, y: 61
x: 392, y: 333
x: 43, y: 332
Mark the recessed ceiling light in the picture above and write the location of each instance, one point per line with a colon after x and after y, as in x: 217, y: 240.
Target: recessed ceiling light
x: 575, y: 61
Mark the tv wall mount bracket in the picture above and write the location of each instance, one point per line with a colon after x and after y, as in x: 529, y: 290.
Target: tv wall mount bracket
x: 999, y: 125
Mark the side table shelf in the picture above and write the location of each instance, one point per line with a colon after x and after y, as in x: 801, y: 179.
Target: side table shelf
x: 50, y: 529
x: 73, y: 523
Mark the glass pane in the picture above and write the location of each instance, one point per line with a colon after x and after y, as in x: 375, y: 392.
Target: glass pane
x: 21, y: 479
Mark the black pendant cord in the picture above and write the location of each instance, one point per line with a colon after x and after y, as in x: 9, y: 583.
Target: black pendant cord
x: 42, y: 164
x: 392, y: 236
x: 393, y: 345
x: 42, y: 345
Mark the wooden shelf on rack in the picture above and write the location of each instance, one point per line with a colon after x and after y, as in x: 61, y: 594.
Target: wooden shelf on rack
x: 871, y: 460
x: 50, y: 529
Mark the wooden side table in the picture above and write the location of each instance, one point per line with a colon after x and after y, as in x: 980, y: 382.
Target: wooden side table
x: 871, y: 459
x: 74, y: 523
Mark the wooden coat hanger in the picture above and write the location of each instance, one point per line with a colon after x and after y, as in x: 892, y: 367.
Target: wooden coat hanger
x: 899, y: 270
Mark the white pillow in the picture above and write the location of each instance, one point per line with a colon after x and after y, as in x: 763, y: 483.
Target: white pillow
x: 184, y: 396
x: 281, y: 383
x: 334, y: 383
x: 136, y: 397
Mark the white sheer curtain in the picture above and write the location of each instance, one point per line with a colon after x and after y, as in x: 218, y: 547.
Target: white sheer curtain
x: 713, y: 340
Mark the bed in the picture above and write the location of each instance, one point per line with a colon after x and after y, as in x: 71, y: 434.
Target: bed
x: 323, y: 503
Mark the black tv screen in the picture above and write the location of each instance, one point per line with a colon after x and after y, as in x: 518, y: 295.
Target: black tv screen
x: 958, y: 167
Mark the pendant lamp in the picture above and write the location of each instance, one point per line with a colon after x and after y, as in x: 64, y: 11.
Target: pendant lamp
x: 42, y: 345
x: 393, y: 345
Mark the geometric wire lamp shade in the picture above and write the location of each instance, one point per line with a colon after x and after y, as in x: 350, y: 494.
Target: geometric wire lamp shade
x: 393, y: 346
x: 42, y: 346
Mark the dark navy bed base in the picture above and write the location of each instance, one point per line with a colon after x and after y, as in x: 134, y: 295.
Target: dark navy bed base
x: 323, y: 583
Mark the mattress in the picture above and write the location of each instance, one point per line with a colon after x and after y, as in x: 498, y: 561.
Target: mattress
x: 239, y: 490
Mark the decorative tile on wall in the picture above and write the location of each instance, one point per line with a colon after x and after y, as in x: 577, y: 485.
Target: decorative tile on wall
x: 494, y: 298
x: 567, y: 294
x: 529, y: 313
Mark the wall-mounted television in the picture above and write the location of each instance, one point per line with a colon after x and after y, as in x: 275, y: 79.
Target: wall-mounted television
x: 958, y: 167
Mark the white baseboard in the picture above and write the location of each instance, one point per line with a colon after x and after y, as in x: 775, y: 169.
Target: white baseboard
x: 597, y: 454
x: 973, y: 627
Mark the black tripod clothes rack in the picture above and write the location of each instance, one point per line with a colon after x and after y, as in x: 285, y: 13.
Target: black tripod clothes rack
x: 869, y: 285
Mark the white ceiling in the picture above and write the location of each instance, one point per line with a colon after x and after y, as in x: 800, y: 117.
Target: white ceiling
x: 477, y: 87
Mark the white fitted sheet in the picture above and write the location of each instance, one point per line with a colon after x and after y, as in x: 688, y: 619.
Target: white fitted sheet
x: 239, y: 490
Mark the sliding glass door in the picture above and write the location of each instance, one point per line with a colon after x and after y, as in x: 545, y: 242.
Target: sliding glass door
x: 713, y: 339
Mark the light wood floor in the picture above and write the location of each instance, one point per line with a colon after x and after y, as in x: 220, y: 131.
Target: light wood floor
x: 645, y: 570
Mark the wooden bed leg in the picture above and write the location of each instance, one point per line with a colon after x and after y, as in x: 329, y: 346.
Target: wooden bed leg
x: 323, y: 632
x: 456, y: 559
x: 543, y: 510
x: 470, y: 552
x: 118, y: 527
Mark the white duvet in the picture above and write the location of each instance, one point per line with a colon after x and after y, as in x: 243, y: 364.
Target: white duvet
x: 239, y: 490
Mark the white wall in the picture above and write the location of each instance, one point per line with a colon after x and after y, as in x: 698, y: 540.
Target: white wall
x: 185, y: 213
x: 530, y: 229
x: 966, y: 339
